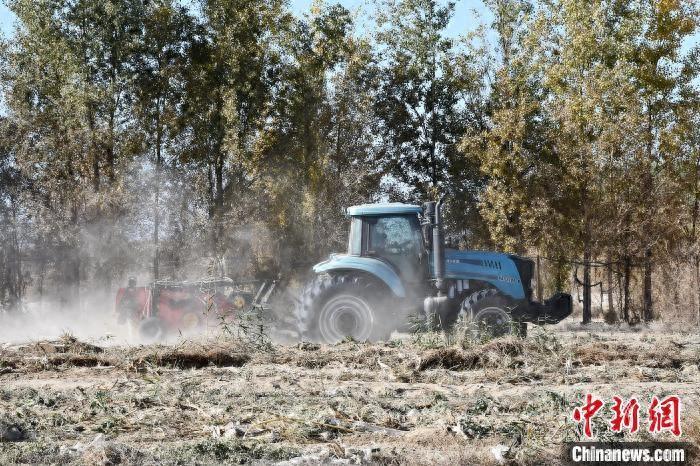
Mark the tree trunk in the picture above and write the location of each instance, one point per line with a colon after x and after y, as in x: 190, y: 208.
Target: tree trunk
x: 693, y: 242
x: 219, y: 180
x: 697, y: 288
x: 620, y: 293
x: 433, y: 167
x: 210, y: 190
x: 539, y: 280
x: 156, y: 203
x: 587, y: 283
x: 94, y: 153
x: 219, y: 207
x: 430, y: 112
x: 586, y: 241
x: 11, y: 279
x: 609, y: 269
x: 647, y: 311
x: 110, y: 149
x: 93, y: 157
x: 648, y: 303
x: 114, y: 65
x: 626, y: 289
x: 74, y: 264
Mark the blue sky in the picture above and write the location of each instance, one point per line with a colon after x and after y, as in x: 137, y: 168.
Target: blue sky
x: 5, y: 19
x: 465, y: 18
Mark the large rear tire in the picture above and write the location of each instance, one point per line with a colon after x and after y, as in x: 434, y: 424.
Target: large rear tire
x: 336, y: 307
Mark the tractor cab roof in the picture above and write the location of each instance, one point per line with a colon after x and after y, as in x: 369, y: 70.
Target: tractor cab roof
x: 386, y: 208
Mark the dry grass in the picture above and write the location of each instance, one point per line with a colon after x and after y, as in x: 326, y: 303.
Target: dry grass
x: 49, y: 355
x: 76, y: 360
x: 491, y: 354
x: 193, y: 359
x: 409, y: 401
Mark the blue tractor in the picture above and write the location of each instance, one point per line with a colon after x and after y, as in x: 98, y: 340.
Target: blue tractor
x: 397, y: 266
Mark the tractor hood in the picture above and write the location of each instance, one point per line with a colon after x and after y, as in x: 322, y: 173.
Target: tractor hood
x: 498, y: 269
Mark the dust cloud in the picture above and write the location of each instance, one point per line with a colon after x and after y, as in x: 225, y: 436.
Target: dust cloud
x: 92, y: 320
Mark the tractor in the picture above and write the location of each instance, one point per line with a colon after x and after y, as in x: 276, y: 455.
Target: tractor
x: 397, y: 265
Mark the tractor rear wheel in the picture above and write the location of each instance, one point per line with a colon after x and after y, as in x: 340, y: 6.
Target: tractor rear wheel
x: 336, y: 307
x: 490, y: 316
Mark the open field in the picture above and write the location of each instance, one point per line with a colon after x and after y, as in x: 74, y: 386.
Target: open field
x: 414, y: 400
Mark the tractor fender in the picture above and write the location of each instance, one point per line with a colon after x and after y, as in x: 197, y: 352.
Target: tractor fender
x: 374, y: 267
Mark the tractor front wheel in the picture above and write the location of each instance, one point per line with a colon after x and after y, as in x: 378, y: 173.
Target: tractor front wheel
x: 490, y: 317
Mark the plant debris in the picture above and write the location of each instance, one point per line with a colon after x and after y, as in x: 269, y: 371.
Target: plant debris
x: 409, y: 401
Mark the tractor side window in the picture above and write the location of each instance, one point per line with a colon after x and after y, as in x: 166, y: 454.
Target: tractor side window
x: 394, y: 236
x: 355, y: 237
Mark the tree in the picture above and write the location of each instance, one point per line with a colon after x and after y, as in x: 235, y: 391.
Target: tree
x: 660, y: 78
x: 315, y: 154
x: 43, y: 95
x: 13, y: 278
x: 159, y: 68
x: 428, y: 98
x: 102, y: 35
x: 513, y: 147
x: 229, y: 90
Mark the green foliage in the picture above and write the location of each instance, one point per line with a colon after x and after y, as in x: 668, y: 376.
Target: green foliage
x: 428, y: 97
x: 581, y: 148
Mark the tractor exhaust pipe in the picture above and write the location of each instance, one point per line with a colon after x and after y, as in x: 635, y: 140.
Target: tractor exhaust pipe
x: 439, y: 249
x: 434, y: 306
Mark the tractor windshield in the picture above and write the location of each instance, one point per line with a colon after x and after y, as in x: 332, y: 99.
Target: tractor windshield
x: 394, y: 237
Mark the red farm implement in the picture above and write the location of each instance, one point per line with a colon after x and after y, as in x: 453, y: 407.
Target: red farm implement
x: 171, y: 307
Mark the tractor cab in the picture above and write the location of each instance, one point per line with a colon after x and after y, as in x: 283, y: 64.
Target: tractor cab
x: 391, y: 233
